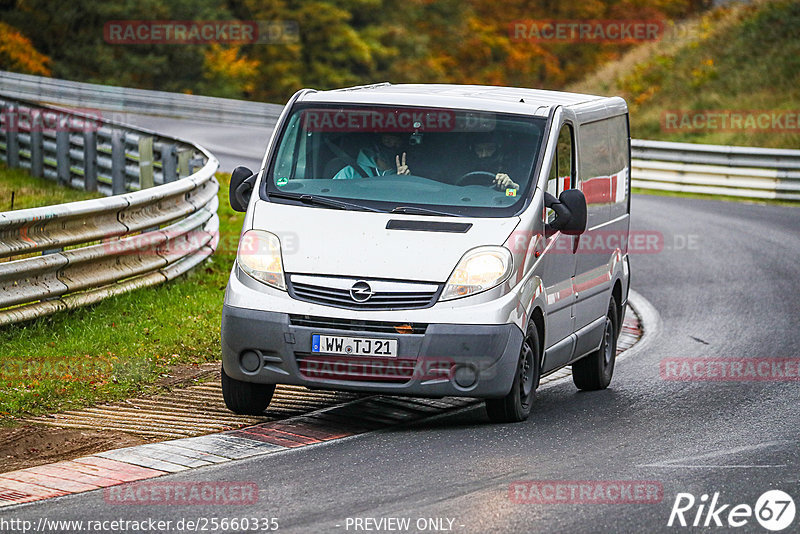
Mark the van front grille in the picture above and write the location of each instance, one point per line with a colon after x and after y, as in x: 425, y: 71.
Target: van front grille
x: 384, y: 295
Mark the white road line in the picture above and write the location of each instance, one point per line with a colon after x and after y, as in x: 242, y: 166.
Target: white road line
x: 685, y: 461
x: 712, y: 466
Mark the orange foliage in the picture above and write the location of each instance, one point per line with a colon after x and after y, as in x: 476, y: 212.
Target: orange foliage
x: 479, y: 48
x: 18, y: 54
x: 226, y: 65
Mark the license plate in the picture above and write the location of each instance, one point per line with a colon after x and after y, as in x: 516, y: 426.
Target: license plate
x: 353, y: 346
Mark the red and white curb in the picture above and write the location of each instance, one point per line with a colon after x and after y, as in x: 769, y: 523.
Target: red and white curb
x: 156, y: 459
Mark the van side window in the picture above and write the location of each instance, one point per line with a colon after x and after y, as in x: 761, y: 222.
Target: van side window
x: 561, y: 175
x: 605, y: 167
x: 285, y: 164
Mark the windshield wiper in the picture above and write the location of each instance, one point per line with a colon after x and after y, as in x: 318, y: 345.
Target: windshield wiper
x: 322, y: 201
x: 413, y: 210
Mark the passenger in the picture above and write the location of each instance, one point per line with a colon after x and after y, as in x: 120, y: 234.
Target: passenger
x: 383, y: 158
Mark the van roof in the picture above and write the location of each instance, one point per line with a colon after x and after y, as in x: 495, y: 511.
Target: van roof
x: 519, y: 100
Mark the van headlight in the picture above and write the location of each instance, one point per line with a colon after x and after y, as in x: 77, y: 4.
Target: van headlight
x: 259, y: 256
x: 478, y: 270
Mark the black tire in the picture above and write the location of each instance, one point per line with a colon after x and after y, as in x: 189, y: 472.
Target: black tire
x: 594, y: 372
x: 246, y: 398
x: 516, y: 406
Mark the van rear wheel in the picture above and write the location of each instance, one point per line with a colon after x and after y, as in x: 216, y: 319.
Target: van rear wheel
x: 246, y: 398
x: 516, y: 406
x: 594, y: 372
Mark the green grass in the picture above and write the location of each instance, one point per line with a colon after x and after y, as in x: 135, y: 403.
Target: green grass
x: 121, y: 346
x: 738, y: 57
x: 704, y: 196
x: 30, y: 192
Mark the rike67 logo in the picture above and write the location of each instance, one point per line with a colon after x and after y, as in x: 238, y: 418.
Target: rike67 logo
x: 774, y: 510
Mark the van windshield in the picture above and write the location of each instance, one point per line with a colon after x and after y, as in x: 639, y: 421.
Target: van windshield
x: 397, y: 158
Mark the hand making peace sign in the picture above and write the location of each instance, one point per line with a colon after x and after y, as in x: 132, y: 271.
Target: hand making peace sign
x: 402, y: 168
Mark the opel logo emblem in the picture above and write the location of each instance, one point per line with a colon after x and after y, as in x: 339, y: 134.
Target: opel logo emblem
x: 360, y: 292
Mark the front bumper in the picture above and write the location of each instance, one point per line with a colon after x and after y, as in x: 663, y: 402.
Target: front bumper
x: 442, y: 359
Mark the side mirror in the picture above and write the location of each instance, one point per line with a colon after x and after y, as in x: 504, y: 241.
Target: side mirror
x: 570, y: 208
x: 242, y: 180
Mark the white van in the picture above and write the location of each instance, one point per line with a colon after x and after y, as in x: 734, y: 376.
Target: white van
x: 431, y: 240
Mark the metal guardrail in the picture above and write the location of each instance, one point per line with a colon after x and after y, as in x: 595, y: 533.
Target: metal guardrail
x: 163, y: 222
x: 124, y: 99
x: 717, y: 170
x: 746, y: 172
x: 86, y: 152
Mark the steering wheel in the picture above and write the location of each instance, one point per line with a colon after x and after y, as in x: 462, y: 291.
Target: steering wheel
x: 475, y: 178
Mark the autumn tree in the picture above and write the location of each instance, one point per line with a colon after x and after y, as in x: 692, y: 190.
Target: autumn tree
x: 18, y: 54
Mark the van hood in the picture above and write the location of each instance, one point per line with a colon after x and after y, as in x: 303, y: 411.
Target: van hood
x: 375, y: 245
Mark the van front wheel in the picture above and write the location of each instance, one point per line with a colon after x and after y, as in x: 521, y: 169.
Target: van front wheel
x: 246, y: 398
x: 595, y: 371
x: 516, y: 406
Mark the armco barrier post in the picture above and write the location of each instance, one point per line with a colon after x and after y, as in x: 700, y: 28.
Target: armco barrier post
x: 169, y: 163
x: 117, y: 162
x: 183, y: 162
x: 145, y: 162
x: 37, y: 148
x: 90, y: 160
x: 62, y: 152
x: 12, y: 137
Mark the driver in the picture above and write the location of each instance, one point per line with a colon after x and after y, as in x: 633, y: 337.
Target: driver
x: 484, y: 156
x: 383, y: 158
